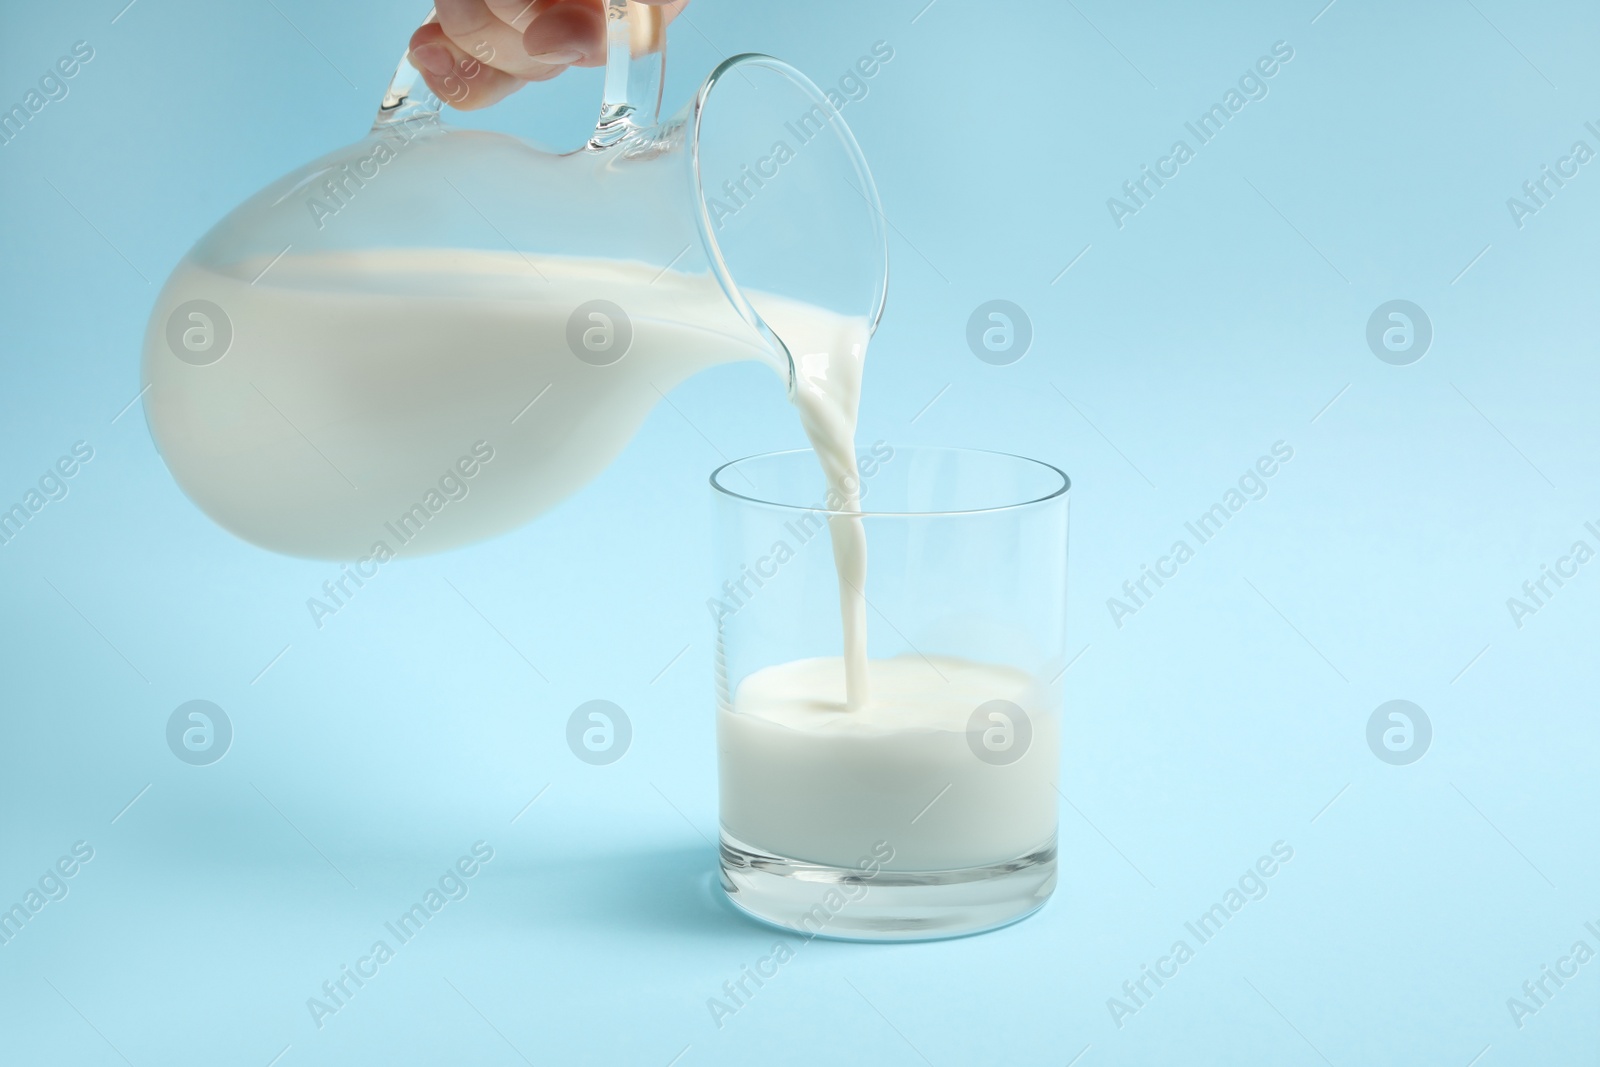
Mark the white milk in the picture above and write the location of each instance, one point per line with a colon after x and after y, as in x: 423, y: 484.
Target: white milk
x: 829, y: 357
x: 806, y: 777
x: 355, y: 381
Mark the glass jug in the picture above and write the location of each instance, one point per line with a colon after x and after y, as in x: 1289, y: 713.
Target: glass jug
x: 434, y: 334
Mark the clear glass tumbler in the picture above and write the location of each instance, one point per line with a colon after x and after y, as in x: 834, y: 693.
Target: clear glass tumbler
x: 929, y: 809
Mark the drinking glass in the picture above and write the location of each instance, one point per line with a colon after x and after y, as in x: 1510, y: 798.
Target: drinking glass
x: 930, y: 810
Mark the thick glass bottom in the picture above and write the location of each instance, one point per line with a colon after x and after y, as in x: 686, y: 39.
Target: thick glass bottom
x: 850, y: 904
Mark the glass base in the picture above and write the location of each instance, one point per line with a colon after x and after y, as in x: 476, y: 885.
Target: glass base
x: 848, y: 904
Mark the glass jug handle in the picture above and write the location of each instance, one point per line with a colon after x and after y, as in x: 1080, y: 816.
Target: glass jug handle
x: 636, y: 48
x: 402, y: 102
x: 636, y: 44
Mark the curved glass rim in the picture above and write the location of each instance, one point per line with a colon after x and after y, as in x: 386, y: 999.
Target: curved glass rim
x: 708, y: 237
x: 1066, y: 484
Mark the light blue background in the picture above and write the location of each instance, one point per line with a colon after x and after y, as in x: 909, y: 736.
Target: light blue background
x: 1226, y: 715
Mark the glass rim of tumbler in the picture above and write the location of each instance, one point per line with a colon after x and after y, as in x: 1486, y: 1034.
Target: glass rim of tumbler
x: 1033, y: 500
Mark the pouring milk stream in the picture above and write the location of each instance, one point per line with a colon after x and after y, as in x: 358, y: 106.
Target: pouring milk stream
x: 329, y: 363
x: 433, y: 335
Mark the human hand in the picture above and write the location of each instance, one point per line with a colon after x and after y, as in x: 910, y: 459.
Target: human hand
x: 476, y: 52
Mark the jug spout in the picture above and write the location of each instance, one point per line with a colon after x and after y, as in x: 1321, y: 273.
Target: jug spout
x: 785, y: 205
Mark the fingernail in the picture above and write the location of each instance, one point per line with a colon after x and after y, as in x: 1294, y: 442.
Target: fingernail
x: 563, y: 58
x: 433, y: 58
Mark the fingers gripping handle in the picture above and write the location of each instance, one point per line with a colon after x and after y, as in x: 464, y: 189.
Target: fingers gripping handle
x: 635, y: 71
